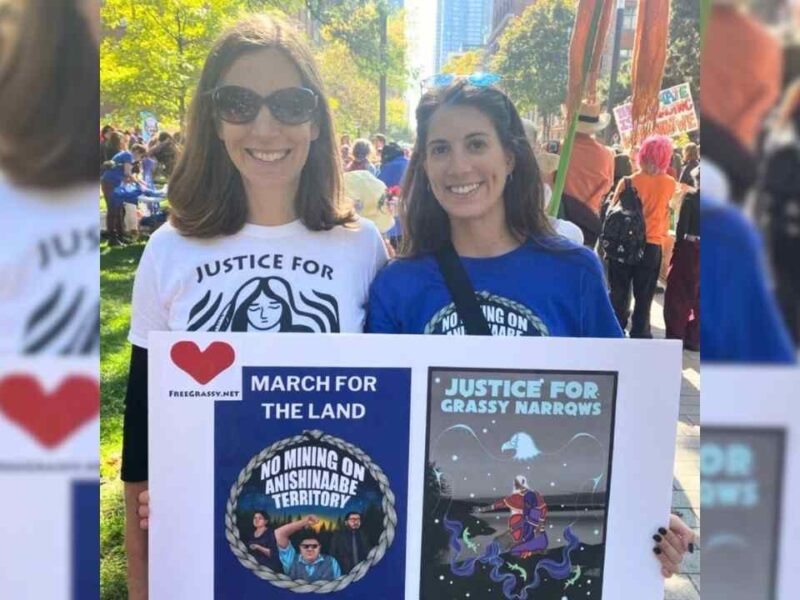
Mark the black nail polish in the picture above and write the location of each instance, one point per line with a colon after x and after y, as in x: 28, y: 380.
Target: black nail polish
x: 662, y: 531
x: 657, y: 538
x: 657, y: 550
x: 691, y: 547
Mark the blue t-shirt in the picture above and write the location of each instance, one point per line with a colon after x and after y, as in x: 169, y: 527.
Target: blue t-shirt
x: 529, y: 291
x: 741, y: 322
x: 392, y: 173
x: 117, y: 173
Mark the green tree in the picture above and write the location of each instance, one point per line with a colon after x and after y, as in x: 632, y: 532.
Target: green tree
x: 533, y: 57
x: 351, y: 84
x: 153, y: 51
x: 683, y: 59
x: 369, y: 30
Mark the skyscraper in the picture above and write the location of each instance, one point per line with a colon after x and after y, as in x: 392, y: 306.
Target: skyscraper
x: 460, y: 26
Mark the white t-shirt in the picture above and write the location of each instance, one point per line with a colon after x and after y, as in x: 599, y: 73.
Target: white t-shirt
x: 282, y: 278
x: 49, y: 271
x: 563, y: 228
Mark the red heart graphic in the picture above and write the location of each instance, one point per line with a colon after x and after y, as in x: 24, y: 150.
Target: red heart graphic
x: 50, y: 418
x: 202, y: 366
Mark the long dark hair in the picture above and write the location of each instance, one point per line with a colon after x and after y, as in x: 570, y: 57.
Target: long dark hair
x: 206, y: 192
x: 427, y: 226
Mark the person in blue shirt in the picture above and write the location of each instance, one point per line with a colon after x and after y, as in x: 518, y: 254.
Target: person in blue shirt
x: 473, y: 181
x: 393, y: 169
x: 120, y: 170
x: 310, y: 564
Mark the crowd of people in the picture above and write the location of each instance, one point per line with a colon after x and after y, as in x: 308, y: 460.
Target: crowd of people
x: 134, y: 168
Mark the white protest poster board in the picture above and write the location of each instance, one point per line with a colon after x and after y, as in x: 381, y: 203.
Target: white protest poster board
x: 478, y: 467
x: 676, y: 114
x: 750, y: 469
x: 49, y: 438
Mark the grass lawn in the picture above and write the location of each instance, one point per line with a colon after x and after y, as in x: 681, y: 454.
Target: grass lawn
x: 117, y: 268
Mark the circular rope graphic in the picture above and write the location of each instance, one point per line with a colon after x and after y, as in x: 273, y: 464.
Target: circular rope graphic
x: 537, y: 323
x: 298, y: 585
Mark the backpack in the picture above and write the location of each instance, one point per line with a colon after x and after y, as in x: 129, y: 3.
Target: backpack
x: 623, y: 236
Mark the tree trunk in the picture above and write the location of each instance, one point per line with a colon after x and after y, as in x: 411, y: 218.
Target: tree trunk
x: 384, y: 66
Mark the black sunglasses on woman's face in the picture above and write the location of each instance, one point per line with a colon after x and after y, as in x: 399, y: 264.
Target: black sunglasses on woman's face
x: 240, y: 105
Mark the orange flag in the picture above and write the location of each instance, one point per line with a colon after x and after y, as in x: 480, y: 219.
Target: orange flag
x: 649, y: 60
x: 577, y: 52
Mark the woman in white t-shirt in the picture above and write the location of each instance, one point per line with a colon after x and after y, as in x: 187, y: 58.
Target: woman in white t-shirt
x: 257, y: 239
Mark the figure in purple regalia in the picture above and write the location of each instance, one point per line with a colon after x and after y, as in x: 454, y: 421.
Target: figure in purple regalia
x: 527, y: 520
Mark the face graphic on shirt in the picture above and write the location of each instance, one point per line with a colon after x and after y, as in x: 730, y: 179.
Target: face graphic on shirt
x: 264, y: 313
x: 266, y: 304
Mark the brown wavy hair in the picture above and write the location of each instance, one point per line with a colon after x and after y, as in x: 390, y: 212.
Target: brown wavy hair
x: 49, y: 95
x: 427, y: 226
x: 206, y: 192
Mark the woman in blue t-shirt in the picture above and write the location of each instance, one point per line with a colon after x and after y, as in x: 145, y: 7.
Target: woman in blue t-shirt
x: 473, y: 183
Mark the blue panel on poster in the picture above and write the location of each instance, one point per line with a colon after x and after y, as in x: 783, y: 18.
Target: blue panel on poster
x: 85, y: 540
x: 311, y: 473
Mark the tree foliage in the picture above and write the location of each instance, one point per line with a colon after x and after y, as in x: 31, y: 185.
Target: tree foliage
x: 533, y: 58
x: 351, y: 82
x: 683, y: 59
x: 465, y: 64
x: 153, y: 51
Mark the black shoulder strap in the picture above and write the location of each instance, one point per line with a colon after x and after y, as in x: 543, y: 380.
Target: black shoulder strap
x: 462, y: 291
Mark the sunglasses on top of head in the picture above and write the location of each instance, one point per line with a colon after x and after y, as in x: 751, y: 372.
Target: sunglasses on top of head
x: 240, y: 105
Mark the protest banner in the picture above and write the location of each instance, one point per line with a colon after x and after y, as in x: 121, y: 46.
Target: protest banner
x: 149, y: 126
x: 496, y: 467
x: 750, y: 472
x: 676, y: 114
x: 49, y: 432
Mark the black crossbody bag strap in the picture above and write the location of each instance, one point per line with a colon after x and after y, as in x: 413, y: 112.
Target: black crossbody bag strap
x: 457, y: 280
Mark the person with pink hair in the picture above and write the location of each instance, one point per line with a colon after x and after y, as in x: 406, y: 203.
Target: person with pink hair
x: 654, y: 188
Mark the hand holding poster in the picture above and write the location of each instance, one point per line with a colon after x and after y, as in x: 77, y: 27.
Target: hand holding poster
x: 409, y: 467
x: 676, y: 115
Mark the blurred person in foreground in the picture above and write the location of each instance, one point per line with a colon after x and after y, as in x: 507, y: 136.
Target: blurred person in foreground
x: 741, y: 322
x: 49, y: 92
x: 50, y: 288
x: 781, y: 191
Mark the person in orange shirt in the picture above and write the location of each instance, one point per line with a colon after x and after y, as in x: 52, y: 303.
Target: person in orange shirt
x: 655, y: 188
x: 590, y: 174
